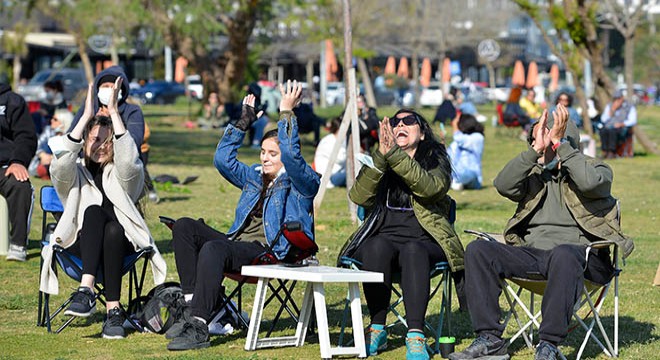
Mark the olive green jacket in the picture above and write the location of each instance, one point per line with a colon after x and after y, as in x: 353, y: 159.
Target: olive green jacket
x: 585, y: 187
x: 430, y: 202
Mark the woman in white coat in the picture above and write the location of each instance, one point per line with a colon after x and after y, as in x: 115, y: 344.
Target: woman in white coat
x: 101, y: 222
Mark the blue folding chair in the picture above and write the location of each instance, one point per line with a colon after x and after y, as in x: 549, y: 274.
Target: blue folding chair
x: 71, y: 265
x: 441, y: 270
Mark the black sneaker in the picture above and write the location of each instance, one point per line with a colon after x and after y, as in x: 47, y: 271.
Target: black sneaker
x: 194, y: 335
x: 181, y: 315
x: 546, y: 351
x: 113, y: 326
x: 484, y: 349
x: 83, y: 303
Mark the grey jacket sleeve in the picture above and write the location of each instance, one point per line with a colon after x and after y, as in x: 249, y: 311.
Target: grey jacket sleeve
x: 511, y: 182
x: 592, y: 178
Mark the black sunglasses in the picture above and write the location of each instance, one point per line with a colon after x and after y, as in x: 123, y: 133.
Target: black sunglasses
x: 408, y: 120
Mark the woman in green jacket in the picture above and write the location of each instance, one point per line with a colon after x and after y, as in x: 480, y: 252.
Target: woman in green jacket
x: 405, y: 194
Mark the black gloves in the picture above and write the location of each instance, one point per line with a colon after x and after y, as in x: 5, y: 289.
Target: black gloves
x: 248, y: 116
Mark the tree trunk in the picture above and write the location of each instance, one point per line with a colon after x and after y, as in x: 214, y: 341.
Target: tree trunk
x: 628, y: 48
x: 366, y: 80
x: 239, y: 31
x: 84, y: 58
x: 415, y: 74
x: 114, y: 53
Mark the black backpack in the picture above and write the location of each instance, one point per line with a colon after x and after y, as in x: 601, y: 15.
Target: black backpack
x: 160, y: 308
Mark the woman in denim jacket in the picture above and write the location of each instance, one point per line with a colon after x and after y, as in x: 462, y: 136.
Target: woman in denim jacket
x: 280, y: 189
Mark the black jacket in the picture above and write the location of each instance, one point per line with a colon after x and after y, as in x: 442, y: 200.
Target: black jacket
x: 130, y: 114
x: 18, y: 139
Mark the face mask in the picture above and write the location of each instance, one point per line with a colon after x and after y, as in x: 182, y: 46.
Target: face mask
x: 105, y: 93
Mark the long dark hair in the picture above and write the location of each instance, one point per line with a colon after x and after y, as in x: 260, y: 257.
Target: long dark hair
x: 430, y: 154
x: 468, y: 124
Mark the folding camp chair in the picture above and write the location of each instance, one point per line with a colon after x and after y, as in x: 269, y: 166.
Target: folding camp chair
x: 439, y: 270
x: 71, y: 265
x: 592, y: 297
x: 301, y: 252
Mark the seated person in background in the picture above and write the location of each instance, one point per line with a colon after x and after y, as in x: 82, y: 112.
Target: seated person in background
x: 566, y: 100
x: 308, y: 121
x: 54, y: 99
x: 280, y: 189
x: 465, y: 152
x: 564, y: 203
x: 130, y: 114
x: 465, y: 106
x: 100, y: 223
x: 18, y: 142
x: 617, y: 119
x: 447, y: 111
x: 323, y: 152
x: 405, y: 194
x: 212, y: 113
x: 513, y: 112
x: 368, y: 120
x: 528, y: 104
x: 59, y: 123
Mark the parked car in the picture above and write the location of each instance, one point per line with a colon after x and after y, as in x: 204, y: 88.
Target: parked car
x: 73, y: 81
x: 431, y: 95
x: 335, y: 93
x: 159, y: 92
x: 195, y: 87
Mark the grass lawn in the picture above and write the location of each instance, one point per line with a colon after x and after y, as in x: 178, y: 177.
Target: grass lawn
x: 181, y: 152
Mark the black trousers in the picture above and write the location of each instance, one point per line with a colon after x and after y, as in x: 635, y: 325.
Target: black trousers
x: 414, y: 257
x: 19, y: 204
x: 102, y: 245
x: 611, y: 137
x: 202, y: 255
x: 487, y: 262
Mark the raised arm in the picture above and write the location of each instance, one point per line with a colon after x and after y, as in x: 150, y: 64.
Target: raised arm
x: 303, y: 177
x: 225, y: 159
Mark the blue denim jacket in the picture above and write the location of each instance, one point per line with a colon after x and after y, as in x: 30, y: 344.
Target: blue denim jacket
x: 290, y: 198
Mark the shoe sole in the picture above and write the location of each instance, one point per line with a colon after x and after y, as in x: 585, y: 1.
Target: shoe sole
x: 378, y: 350
x: 192, y: 347
x: 14, y: 258
x: 84, y: 315
x: 114, y: 337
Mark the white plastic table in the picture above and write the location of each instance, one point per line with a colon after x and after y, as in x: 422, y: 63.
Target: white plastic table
x: 315, y: 276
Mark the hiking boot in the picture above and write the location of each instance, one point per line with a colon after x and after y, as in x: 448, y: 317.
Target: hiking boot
x: 194, y: 335
x: 83, y: 303
x: 113, y: 326
x: 376, y: 340
x: 483, y: 348
x: 416, y: 348
x: 546, y: 351
x: 16, y: 253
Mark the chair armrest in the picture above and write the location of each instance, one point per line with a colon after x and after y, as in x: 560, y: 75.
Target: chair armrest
x: 486, y: 236
x: 601, y: 244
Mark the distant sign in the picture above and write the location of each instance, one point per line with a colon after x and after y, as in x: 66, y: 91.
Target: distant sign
x: 488, y: 50
x: 99, y: 43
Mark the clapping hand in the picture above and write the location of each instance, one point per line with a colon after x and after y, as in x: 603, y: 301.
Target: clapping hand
x: 560, y: 116
x: 112, y: 104
x: 540, y: 133
x: 385, y: 136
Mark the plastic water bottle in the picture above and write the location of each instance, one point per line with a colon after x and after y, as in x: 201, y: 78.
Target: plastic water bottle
x: 493, y: 120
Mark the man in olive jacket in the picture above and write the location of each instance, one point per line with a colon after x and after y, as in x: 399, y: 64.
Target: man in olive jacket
x: 564, y: 203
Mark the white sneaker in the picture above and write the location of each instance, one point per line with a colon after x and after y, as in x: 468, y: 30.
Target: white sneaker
x: 16, y: 253
x: 456, y: 186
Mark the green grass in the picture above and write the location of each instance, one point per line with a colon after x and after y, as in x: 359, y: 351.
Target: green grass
x: 182, y: 152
